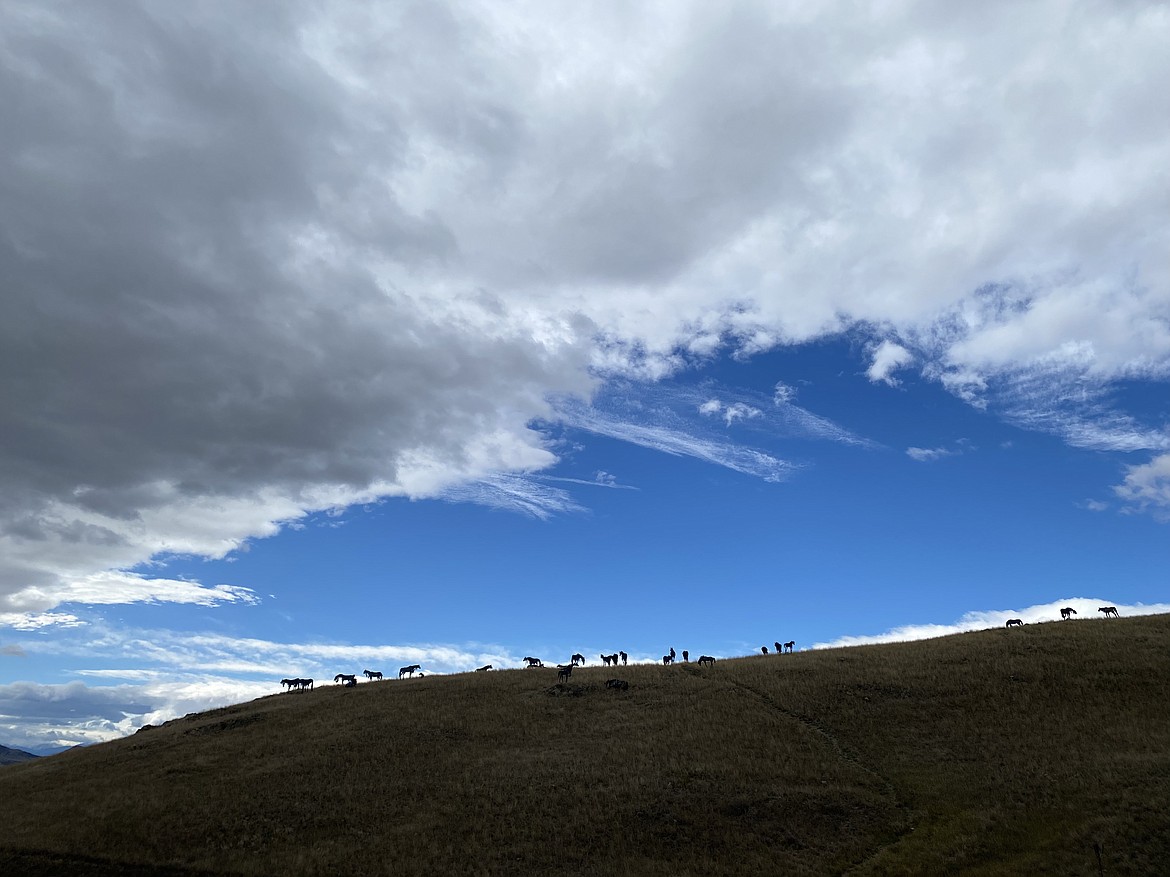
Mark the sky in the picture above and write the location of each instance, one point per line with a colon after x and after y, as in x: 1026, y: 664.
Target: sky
x: 343, y: 336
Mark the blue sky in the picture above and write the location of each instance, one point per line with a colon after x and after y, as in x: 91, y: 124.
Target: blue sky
x: 347, y: 337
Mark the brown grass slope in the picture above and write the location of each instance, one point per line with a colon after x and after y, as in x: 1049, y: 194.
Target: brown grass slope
x: 994, y: 752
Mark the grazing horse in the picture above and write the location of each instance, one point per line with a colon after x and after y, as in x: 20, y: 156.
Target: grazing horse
x: 408, y: 670
x: 306, y: 683
x: 788, y: 645
x: 1109, y: 610
x: 1014, y: 622
x: 705, y: 659
x: 564, y: 671
x: 1067, y: 612
x: 686, y: 656
x: 291, y: 683
x: 483, y: 668
x: 619, y: 684
x: 534, y: 662
x: 577, y: 659
x: 625, y: 657
x: 371, y: 674
x: 764, y: 649
x: 667, y: 660
x: 345, y: 679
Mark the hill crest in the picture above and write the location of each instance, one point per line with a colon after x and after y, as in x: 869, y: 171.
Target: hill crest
x: 1002, y: 751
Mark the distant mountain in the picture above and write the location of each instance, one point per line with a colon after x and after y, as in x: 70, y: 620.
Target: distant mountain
x: 14, y: 756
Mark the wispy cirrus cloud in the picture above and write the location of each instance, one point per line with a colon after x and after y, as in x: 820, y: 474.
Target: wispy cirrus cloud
x: 676, y: 418
x: 1027, y: 355
x: 600, y: 479
x: 1074, y: 405
x: 667, y: 435
x: 926, y: 455
x: 525, y: 494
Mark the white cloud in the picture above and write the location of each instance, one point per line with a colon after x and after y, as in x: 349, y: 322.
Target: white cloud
x: 117, y: 587
x: 1086, y: 607
x: 38, y: 620
x: 888, y: 357
x: 1147, y: 487
x: 783, y: 394
x: 731, y: 413
x: 740, y: 411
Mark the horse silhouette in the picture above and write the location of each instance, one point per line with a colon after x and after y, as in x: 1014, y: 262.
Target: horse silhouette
x: 483, y: 668
x: 564, y: 671
x: 578, y: 659
x: 534, y: 662
x: 1014, y: 622
x: 667, y: 660
x: 408, y: 670
x: 372, y: 674
x: 1109, y: 610
x: 1067, y: 612
x: 345, y: 679
x: 788, y: 645
x: 625, y: 657
x: 705, y: 659
x: 686, y: 656
x: 764, y: 649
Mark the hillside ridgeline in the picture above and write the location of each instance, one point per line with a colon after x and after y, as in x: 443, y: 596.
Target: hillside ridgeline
x: 1042, y: 749
x: 14, y: 756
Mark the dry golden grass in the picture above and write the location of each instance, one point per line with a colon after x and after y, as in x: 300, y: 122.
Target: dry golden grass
x: 986, y: 753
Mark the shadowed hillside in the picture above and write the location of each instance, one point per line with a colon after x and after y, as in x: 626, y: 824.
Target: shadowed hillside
x: 1003, y: 751
x: 14, y: 756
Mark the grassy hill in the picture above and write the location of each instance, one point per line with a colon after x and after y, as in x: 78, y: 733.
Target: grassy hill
x: 985, y: 753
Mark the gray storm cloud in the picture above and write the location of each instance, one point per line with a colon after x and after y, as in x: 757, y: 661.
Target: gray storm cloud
x: 263, y: 259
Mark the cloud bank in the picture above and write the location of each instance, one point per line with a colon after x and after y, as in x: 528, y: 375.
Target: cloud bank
x: 1086, y: 607
x: 165, y: 675
x: 264, y: 261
